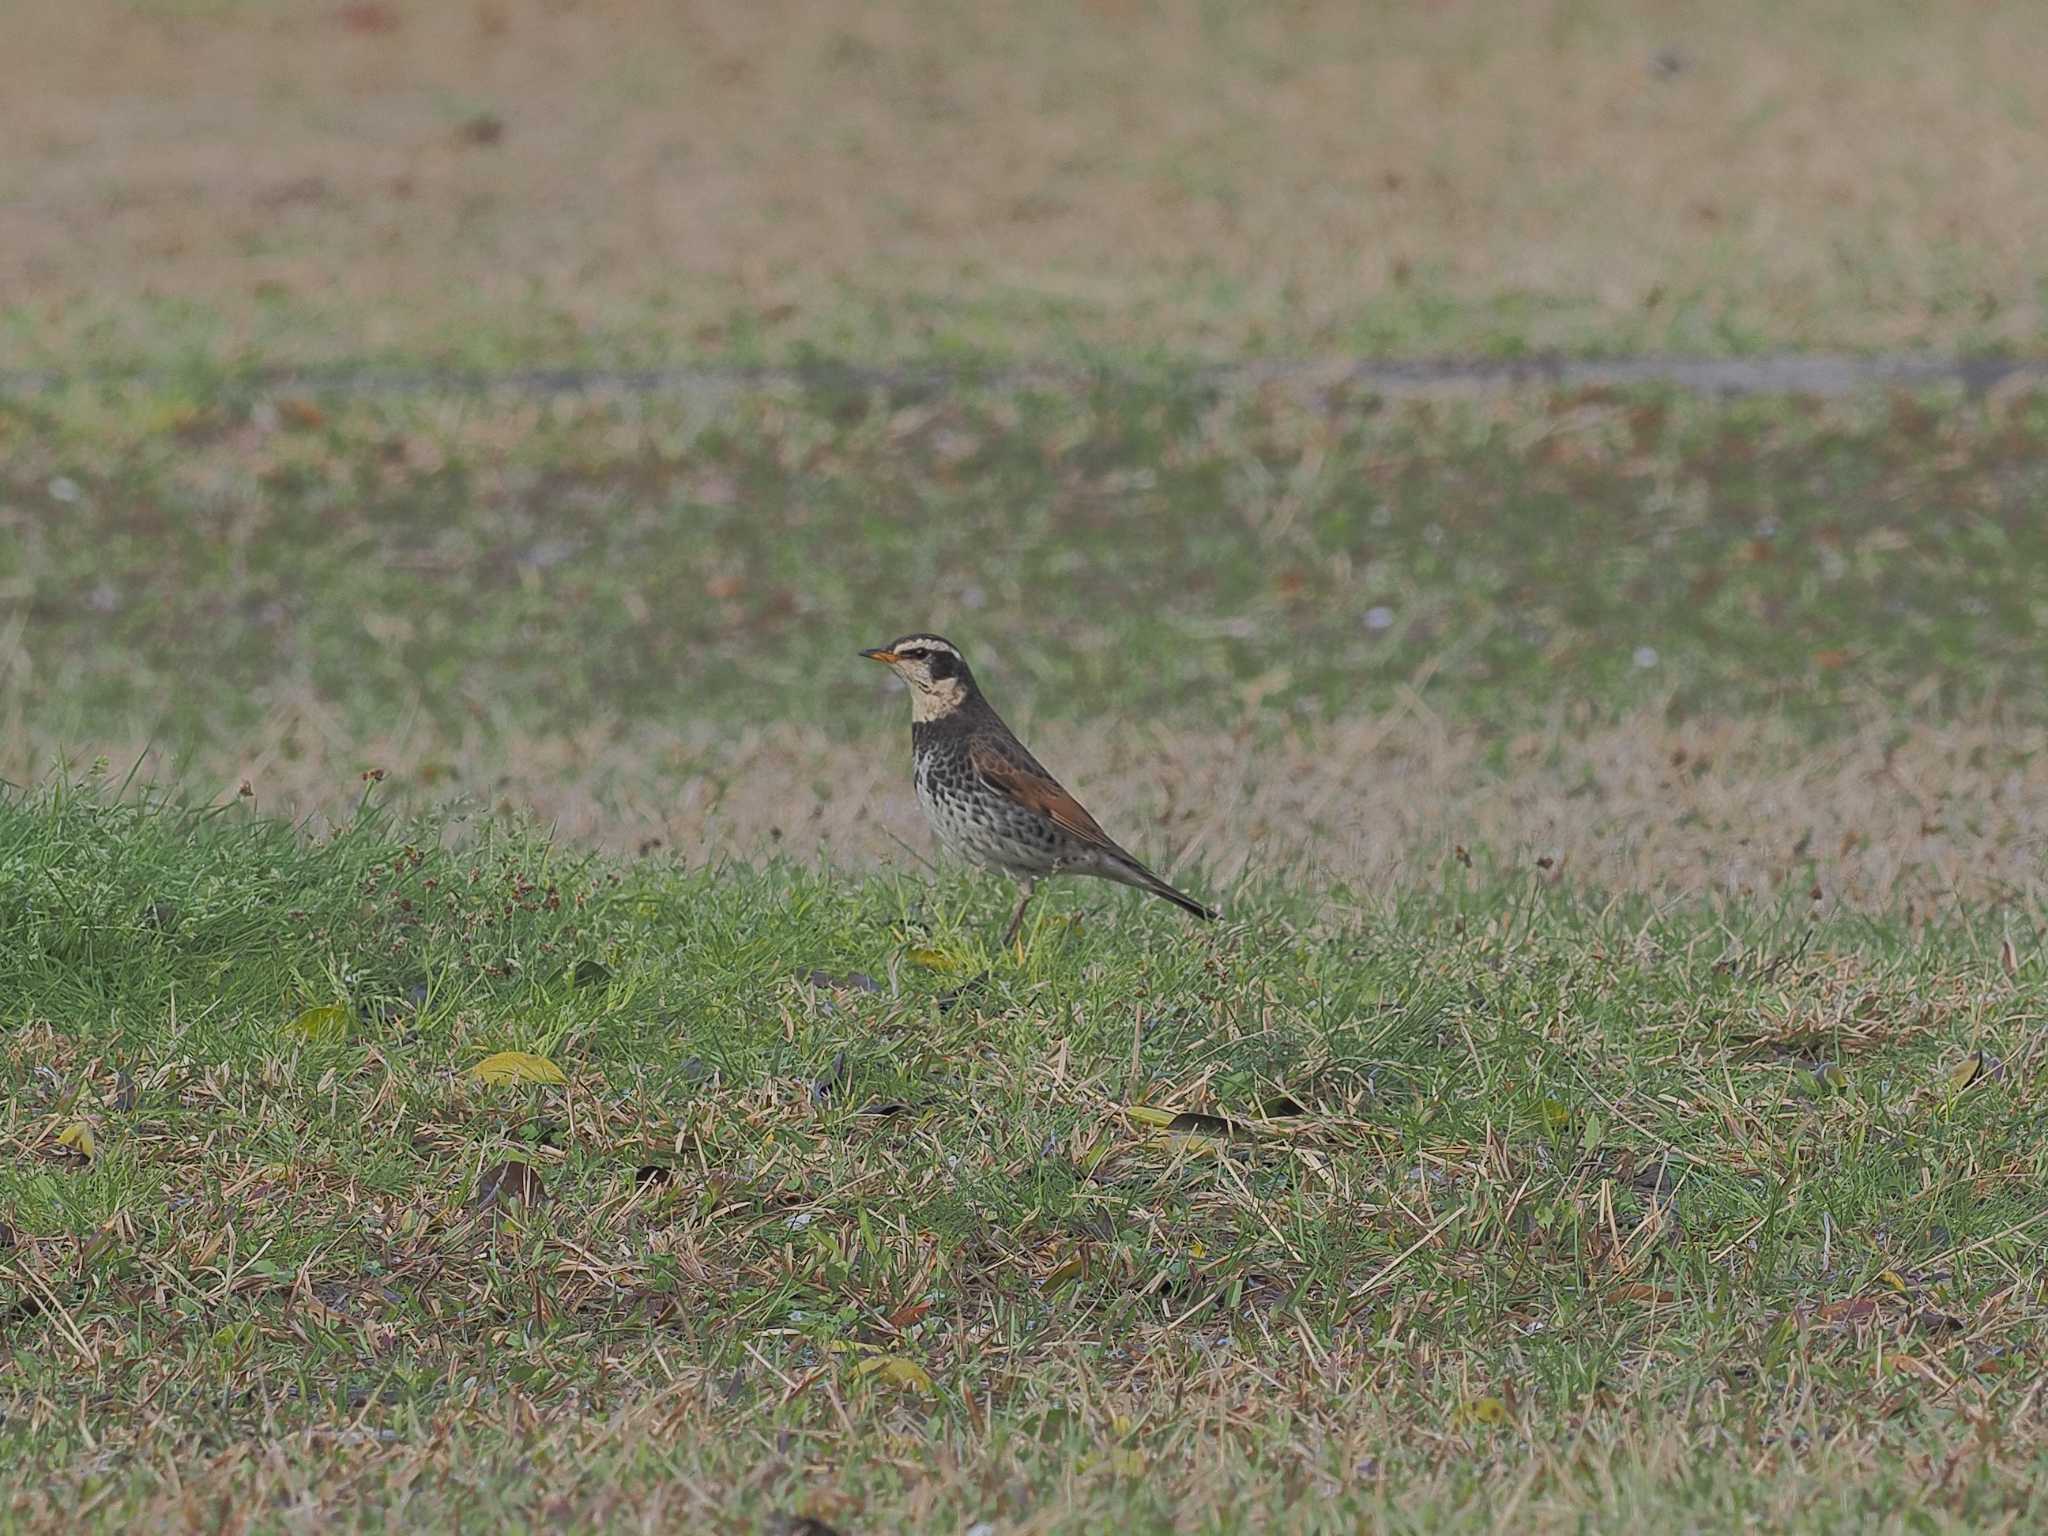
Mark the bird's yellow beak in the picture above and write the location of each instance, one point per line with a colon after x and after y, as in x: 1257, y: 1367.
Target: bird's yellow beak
x: 879, y: 654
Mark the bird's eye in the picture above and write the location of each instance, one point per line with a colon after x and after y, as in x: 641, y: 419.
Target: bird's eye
x: 918, y: 653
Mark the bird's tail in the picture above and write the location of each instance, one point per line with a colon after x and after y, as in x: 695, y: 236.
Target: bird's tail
x: 1131, y: 872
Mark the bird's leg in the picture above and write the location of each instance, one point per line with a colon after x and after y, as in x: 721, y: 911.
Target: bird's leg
x: 1017, y: 917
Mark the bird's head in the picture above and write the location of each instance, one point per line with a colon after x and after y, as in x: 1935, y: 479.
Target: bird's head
x: 935, y: 670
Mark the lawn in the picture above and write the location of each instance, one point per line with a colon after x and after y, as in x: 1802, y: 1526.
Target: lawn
x: 1473, y: 1196
x: 638, y: 618
x: 489, y: 1042
x: 1610, y: 1098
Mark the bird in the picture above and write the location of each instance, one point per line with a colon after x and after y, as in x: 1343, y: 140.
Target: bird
x: 989, y: 800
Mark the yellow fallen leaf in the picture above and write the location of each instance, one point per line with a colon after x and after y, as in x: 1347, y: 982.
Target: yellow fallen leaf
x: 517, y: 1067
x: 76, y: 1137
x: 1073, y: 1269
x: 1147, y: 1114
x: 1484, y: 1410
x: 1892, y: 1280
x: 1174, y: 1142
x: 1127, y: 1463
x: 1965, y: 1071
x: 897, y: 1371
x: 934, y: 959
x: 327, y: 1023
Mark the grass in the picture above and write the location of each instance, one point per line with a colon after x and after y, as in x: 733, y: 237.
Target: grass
x: 1485, y: 1195
x: 1611, y: 1100
x: 622, y: 182
x: 293, y: 589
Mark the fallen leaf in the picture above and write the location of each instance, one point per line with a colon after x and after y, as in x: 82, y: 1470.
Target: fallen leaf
x: 516, y: 1067
x: 325, y: 1024
x: 1062, y: 1274
x: 1638, y: 1292
x: 509, y: 1183
x: 897, y: 1371
x: 77, y: 1138
x: 1483, y: 1410
x: 1183, y: 1141
x: 1194, y: 1123
x: 590, y: 973
x: 953, y: 995
x: 1853, y: 1310
x: 1177, y: 1130
x: 934, y: 959
x: 1966, y: 1071
x: 830, y: 1081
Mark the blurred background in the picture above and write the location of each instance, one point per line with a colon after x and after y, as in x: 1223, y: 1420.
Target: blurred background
x: 282, y: 502
x: 500, y: 180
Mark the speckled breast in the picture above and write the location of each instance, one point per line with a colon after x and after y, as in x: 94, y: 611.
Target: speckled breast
x: 976, y: 823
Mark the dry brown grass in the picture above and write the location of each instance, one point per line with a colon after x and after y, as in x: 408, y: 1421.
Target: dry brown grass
x: 322, y: 179
x: 646, y: 1469
x: 1907, y: 820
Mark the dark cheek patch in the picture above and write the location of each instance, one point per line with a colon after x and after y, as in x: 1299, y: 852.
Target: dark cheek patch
x: 942, y: 665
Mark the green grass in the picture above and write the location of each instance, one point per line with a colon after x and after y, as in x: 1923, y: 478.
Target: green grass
x: 191, y: 566
x: 1684, y: 1217
x: 1613, y: 1101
